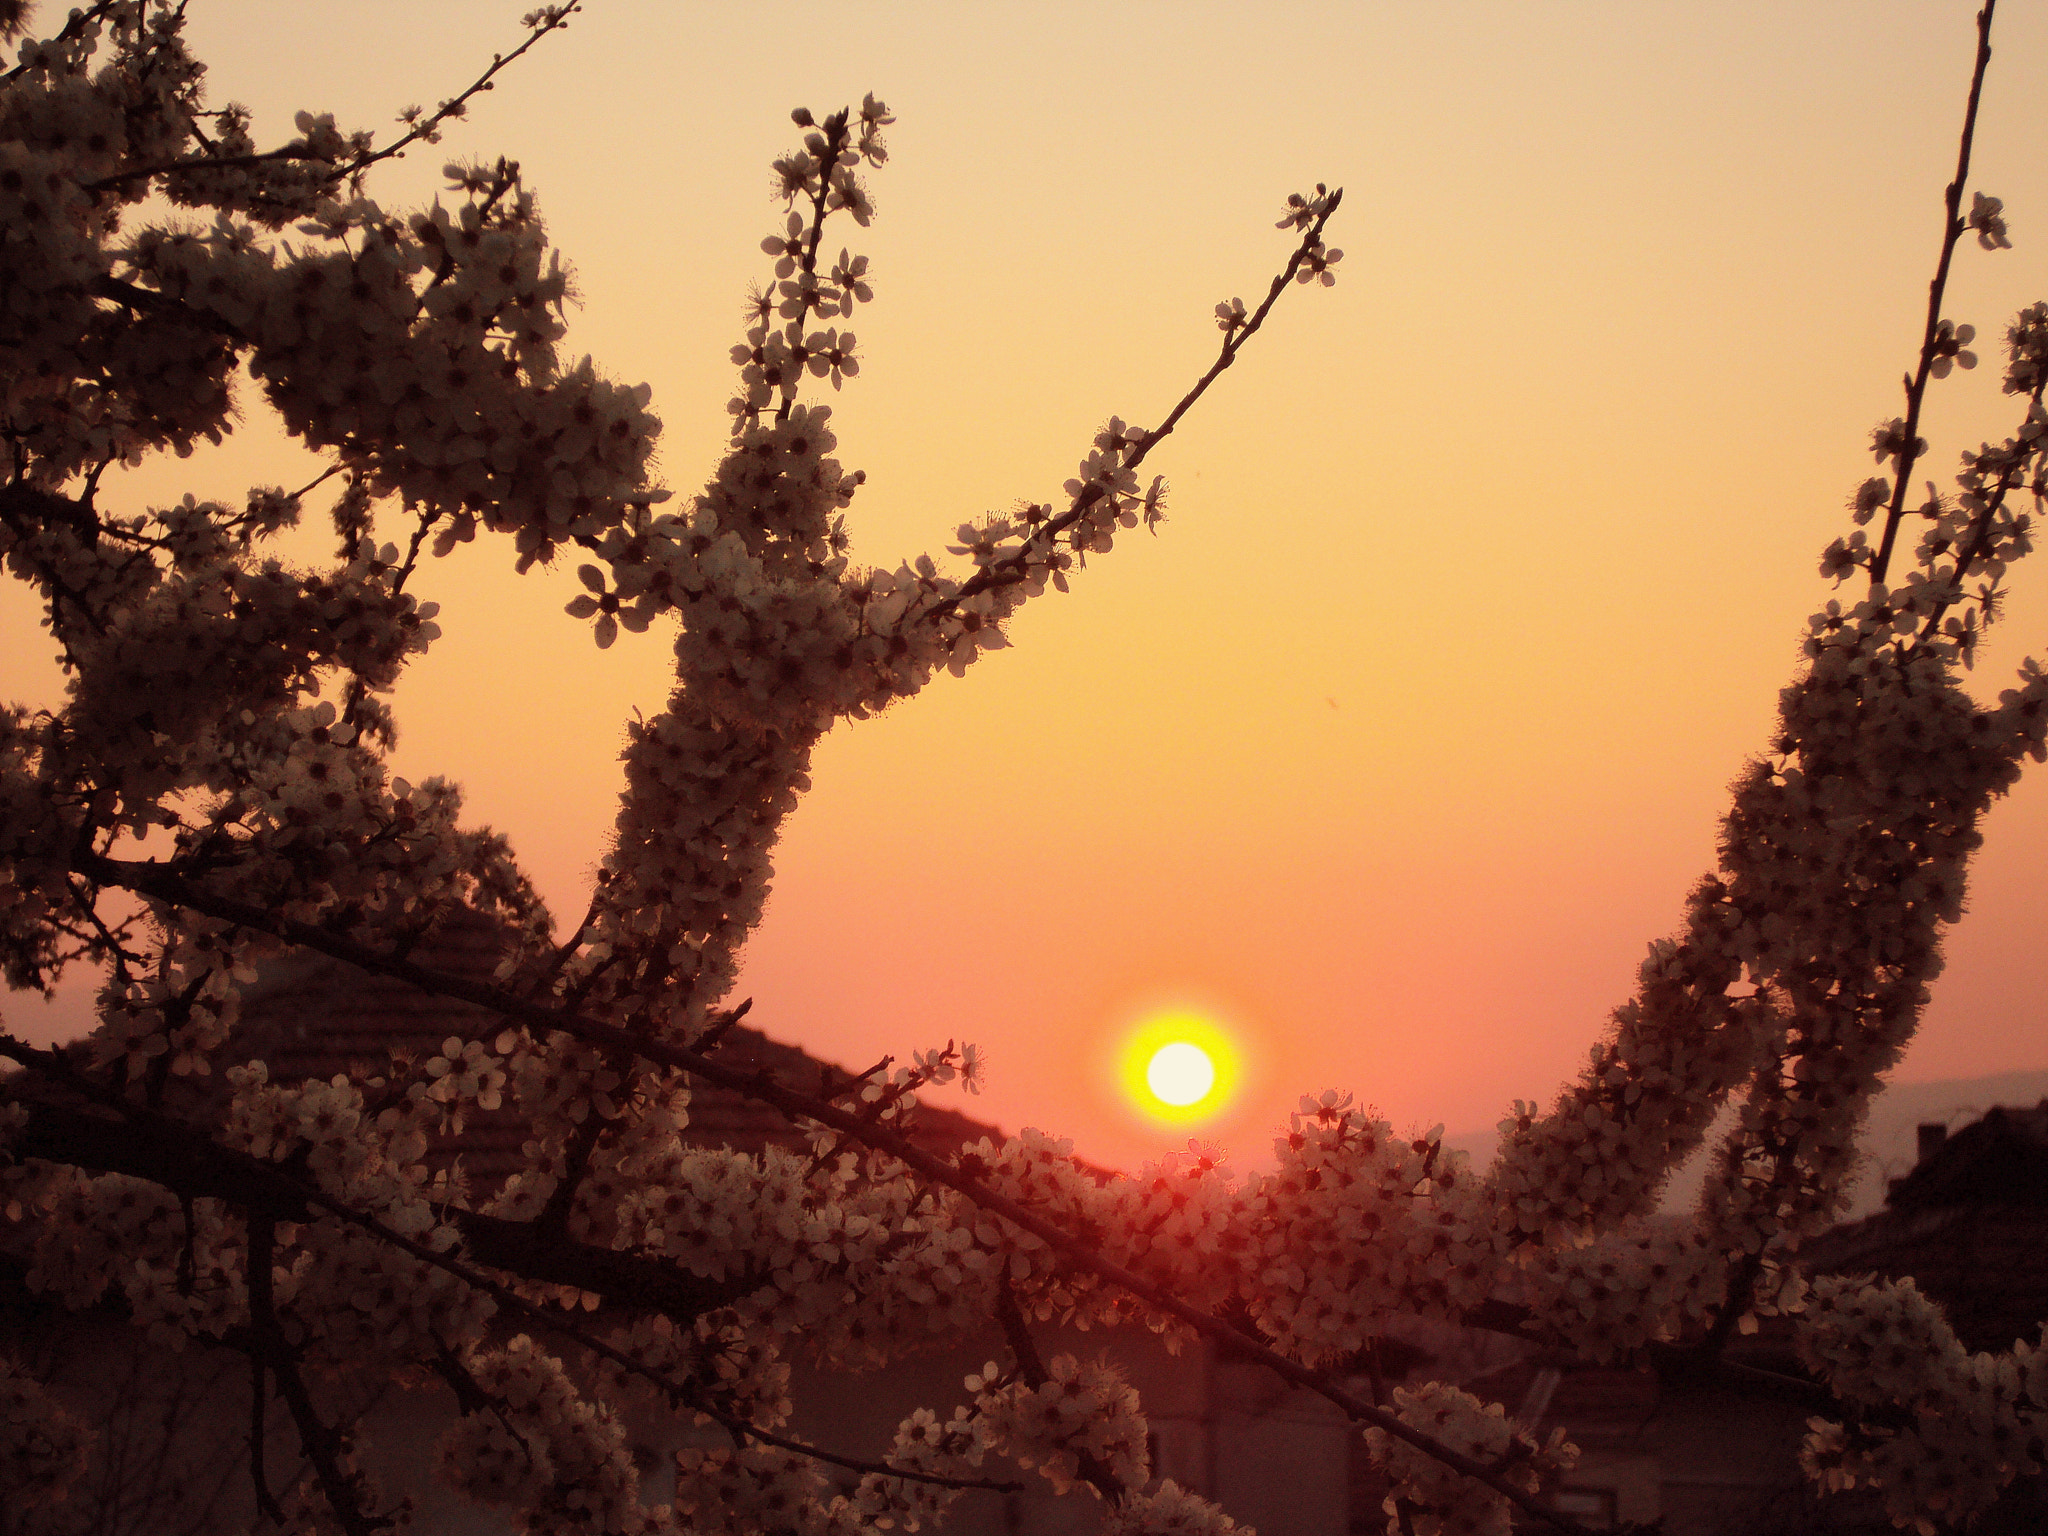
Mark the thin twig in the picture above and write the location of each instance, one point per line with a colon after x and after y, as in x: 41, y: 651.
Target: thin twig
x: 425, y: 128
x: 1015, y: 567
x: 677, y: 1391
x: 1952, y: 229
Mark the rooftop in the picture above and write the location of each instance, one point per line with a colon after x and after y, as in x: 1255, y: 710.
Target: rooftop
x: 310, y: 1016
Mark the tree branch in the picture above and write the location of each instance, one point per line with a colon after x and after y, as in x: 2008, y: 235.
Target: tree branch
x: 164, y: 1151
x: 151, y: 879
x: 324, y: 1445
x: 160, y: 1149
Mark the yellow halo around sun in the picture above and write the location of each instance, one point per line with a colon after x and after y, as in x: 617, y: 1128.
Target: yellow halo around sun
x: 1179, y: 1066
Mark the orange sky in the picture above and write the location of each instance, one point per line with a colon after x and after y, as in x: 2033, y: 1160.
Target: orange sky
x: 1482, y: 572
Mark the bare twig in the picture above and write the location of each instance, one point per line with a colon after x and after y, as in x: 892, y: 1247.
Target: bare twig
x: 259, y: 1394
x: 263, y: 1324
x: 722, y: 1025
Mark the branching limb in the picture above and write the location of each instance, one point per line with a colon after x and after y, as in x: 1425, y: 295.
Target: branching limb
x: 553, y: 1219
x: 325, y: 1447
x: 1031, y: 1368
x: 746, y: 1430
x: 518, y: 1249
x: 146, y: 1144
x: 74, y: 27
x: 152, y: 880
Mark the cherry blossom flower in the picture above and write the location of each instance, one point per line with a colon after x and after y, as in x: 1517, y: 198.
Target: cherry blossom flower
x: 1987, y: 219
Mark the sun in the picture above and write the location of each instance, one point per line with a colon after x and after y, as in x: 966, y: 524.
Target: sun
x: 1179, y: 1065
x: 1181, y: 1073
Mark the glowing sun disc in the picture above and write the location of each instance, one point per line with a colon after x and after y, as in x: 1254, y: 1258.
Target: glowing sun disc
x: 1180, y: 1066
x: 1181, y: 1073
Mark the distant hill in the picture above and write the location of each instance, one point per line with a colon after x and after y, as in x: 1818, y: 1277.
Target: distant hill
x: 1889, y: 1141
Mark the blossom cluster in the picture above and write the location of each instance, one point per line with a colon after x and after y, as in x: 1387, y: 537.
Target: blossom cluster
x: 1937, y: 1430
x: 1168, y: 1509
x: 1081, y: 1424
x: 1358, y: 1222
x: 1430, y: 1499
x: 533, y: 1441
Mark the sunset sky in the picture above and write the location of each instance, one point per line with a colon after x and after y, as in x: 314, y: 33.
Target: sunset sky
x: 1482, y: 570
